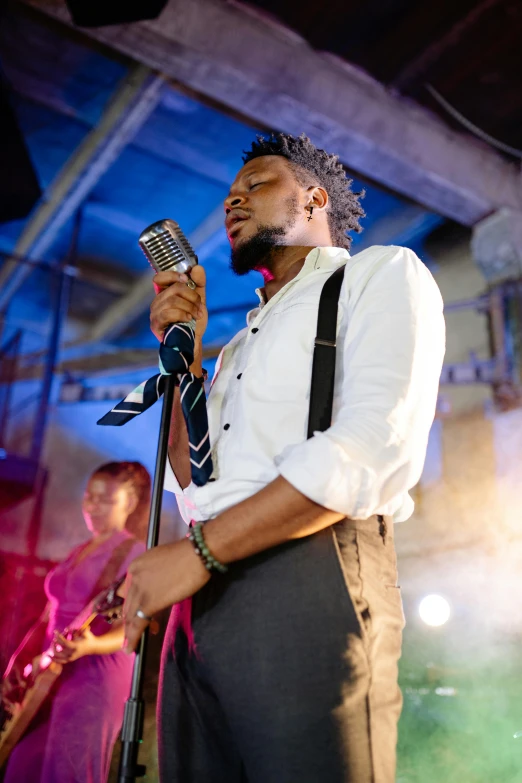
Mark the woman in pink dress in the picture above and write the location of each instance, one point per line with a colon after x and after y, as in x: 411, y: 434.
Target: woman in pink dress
x: 72, y: 738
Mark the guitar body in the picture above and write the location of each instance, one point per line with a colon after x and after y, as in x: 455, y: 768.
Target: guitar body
x: 17, y: 717
x: 23, y: 713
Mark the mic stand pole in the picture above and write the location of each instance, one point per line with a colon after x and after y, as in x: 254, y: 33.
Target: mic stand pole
x: 132, y: 729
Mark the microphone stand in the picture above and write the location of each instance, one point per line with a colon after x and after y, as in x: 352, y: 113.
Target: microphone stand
x: 132, y: 729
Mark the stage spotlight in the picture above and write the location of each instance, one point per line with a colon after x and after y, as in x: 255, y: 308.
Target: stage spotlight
x: 434, y: 610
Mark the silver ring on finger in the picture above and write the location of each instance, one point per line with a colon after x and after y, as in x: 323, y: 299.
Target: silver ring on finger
x: 191, y: 284
x: 143, y: 616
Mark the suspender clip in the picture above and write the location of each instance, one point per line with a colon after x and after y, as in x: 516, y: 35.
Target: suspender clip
x: 329, y: 343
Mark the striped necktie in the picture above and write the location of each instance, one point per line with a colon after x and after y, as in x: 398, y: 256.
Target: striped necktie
x: 176, y: 354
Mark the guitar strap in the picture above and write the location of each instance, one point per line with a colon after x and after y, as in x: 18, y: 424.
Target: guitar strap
x: 112, y: 567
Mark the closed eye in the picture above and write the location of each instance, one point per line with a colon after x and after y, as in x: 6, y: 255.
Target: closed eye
x: 255, y: 185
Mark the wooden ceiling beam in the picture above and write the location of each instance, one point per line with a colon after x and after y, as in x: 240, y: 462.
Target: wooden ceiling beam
x: 275, y: 78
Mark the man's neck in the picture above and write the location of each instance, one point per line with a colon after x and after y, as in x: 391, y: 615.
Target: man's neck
x: 284, y: 264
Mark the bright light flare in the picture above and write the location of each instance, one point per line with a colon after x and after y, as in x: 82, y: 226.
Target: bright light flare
x: 434, y: 610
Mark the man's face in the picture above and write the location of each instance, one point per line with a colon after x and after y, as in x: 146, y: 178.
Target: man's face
x: 264, y: 209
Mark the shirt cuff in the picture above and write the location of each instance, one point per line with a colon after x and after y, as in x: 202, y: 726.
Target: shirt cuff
x: 171, y: 484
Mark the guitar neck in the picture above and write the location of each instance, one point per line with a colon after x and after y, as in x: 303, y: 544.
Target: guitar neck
x: 103, y: 604
x: 86, y: 623
x: 82, y: 621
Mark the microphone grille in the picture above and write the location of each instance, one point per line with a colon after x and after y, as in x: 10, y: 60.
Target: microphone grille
x: 166, y: 247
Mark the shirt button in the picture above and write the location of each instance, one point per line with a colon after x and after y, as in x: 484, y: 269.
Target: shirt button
x: 254, y: 330
x: 239, y: 376
x: 226, y: 427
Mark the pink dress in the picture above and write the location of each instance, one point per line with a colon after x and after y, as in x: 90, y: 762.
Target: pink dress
x: 72, y: 740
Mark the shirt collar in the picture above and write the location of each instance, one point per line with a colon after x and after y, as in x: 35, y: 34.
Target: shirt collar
x: 319, y: 258
x: 324, y: 258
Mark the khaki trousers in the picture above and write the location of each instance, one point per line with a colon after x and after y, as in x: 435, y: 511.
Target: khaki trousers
x: 285, y: 669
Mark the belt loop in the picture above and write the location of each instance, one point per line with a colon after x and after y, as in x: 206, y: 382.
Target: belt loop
x: 382, y: 527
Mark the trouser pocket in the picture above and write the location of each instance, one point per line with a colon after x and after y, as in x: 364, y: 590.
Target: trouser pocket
x: 368, y: 562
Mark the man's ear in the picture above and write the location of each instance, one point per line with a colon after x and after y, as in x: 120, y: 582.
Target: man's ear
x: 318, y: 197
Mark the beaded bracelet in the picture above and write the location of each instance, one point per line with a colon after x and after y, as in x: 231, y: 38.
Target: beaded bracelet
x: 196, y: 537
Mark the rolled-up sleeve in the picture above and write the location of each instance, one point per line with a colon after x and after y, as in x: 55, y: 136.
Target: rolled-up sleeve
x: 171, y: 484
x: 389, y: 358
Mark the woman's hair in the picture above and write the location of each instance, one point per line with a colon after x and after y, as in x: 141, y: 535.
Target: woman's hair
x: 313, y: 166
x: 136, y: 478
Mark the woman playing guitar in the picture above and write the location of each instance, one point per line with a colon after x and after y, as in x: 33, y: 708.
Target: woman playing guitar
x: 72, y: 736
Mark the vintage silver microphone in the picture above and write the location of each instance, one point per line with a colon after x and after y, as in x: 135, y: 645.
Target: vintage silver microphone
x: 166, y: 247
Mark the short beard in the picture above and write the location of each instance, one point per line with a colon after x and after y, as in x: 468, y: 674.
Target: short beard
x: 257, y: 251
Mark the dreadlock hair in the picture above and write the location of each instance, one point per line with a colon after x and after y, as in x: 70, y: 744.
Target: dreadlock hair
x: 136, y: 478
x: 312, y: 167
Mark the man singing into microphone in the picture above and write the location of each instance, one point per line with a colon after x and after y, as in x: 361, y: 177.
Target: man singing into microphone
x: 284, y: 668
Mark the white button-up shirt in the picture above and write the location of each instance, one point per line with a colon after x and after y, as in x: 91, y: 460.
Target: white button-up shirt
x: 390, y: 348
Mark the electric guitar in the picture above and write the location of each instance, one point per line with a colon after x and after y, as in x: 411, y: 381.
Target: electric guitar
x: 21, y: 700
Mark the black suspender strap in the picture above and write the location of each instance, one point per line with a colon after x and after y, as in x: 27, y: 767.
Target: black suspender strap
x: 323, y: 366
